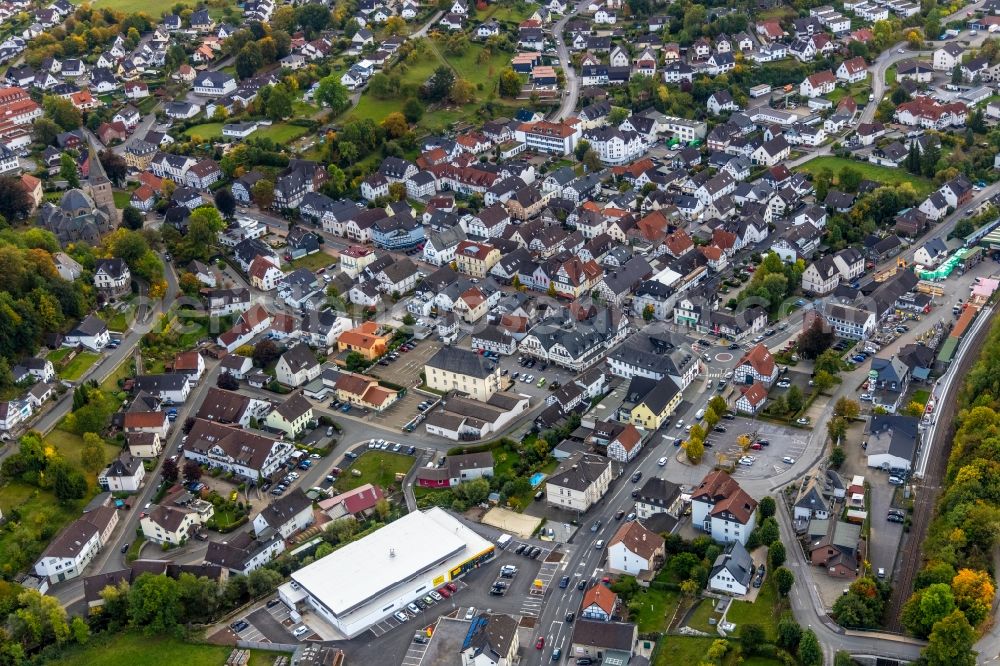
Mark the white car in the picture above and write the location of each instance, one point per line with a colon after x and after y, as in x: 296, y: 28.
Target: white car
x: 784, y: 383
x: 471, y: 613
x: 802, y: 421
x: 300, y: 631
x: 746, y: 462
x: 680, y: 424
x: 867, y: 397
x: 661, y: 462
x: 788, y: 460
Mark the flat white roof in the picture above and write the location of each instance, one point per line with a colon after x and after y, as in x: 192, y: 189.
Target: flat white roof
x: 349, y: 577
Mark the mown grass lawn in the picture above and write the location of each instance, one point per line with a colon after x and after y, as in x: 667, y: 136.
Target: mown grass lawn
x: 378, y: 468
x: 699, y: 619
x: 281, y: 133
x: 486, y: 73
x: 69, y: 446
x: 312, y: 261
x: 133, y: 649
x: 79, y: 365
x: 651, y: 609
x: 765, y: 611
x: 881, y: 174
x: 205, y: 131
x: 57, y: 355
x: 122, y: 198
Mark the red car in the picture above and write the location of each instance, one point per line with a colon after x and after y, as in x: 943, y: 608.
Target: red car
x: 452, y: 587
x: 540, y: 643
x: 756, y: 446
x: 444, y: 592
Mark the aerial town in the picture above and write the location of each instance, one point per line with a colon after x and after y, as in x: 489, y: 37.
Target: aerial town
x: 388, y: 332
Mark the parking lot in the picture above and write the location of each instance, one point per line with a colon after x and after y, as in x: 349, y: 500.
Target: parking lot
x: 783, y: 441
x: 885, y: 535
x: 551, y: 373
x: 270, y: 625
x: 405, y: 370
x: 423, y: 616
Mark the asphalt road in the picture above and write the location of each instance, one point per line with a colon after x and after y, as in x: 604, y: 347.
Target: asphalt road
x: 572, y: 81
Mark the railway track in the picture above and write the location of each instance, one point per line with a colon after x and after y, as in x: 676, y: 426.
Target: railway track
x: 910, y: 558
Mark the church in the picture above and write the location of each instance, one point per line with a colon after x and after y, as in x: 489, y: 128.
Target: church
x: 83, y: 215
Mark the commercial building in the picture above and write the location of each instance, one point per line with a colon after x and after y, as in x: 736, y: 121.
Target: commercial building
x: 376, y: 576
x: 454, y: 369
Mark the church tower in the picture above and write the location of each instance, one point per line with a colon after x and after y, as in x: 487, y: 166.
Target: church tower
x: 100, y: 189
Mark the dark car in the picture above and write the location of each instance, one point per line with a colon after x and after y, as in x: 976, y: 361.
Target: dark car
x: 570, y: 616
x: 239, y: 626
x: 728, y: 416
x: 535, y: 552
x: 582, y: 585
x: 619, y: 514
x: 635, y: 493
x: 636, y: 477
x: 521, y: 548
x: 273, y: 602
x: 125, y: 548
x: 564, y: 582
x: 719, y: 428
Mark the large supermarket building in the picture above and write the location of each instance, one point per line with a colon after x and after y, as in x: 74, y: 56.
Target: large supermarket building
x: 372, y: 578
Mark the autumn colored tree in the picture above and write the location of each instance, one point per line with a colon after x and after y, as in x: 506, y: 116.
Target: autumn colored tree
x: 395, y: 125
x: 973, y: 592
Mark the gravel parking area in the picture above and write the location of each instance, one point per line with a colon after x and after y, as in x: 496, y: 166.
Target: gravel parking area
x: 405, y: 370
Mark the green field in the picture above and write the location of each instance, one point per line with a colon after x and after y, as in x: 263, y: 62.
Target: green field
x: 886, y: 175
x: 79, y: 365
x: 70, y: 445
x: 122, y: 198
x: 416, y: 72
x: 379, y: 469
x: 279, y: 132
x: 133, y: 649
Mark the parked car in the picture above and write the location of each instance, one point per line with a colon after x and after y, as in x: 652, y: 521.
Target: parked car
x: 401, y: 616
x: 300, y: 631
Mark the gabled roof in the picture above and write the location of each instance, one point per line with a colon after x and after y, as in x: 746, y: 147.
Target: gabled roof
x: 637, y: 539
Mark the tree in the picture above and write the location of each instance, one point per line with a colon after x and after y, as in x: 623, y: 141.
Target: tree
x: 204, y: 226
x: 333, y: 94
x: 753, y: 638
x: 169, y: 470
x: 279, y: 103
x: 262, y: 581
x: 249, y: 60
x: 68, y: 170
x: 815, y: 340
x: 510, y: 83
x: 395, y: 125
x: 62, y: 112
x: 810, y: 653
x: 395, y: 26
x: 68, y: 483
x: 355, y: 362
x: 413, y: 110
x: 926, y: 607
x: 114, y: 166
x: 265, y: 353
x: 843, y: 659
x: 695, y: 449
x: 837, y: 457
x: 823, y: 381
x: 784, y: 579
x: 973, y: 592
x: 766, y: 507
x: 313, y: 18
x: 153, y: 604
x: 15, y: 203
x: 794, y: 399
x: 132, y: 218
x: 849, y: 179
x: 776, y: 554
x: 950, y: 642
x: 192, y: 471
x: 45, y: 131
x: 717, y: 651
x: 92, y: 452
x: 956, y: 74
x: 789, y: 632
x: 225, y: 202
x: 397, y: 191
x: 828, y: 361
x: 263, y: 193
x: 438, y: 87
x: 591, y: 160
x: 847, y: 408
x: 462, y: 92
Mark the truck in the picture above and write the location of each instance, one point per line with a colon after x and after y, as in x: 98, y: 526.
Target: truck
x: 503, y: 541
